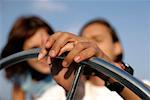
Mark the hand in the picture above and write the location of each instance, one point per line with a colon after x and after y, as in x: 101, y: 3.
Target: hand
x: 79, y: 49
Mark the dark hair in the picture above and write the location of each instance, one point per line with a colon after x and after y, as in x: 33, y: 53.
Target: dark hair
x: 23, y: 28
x: 111, y: 29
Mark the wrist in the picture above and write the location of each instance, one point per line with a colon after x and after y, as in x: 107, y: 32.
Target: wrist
x: 116, y: 86
x: 113, y: 84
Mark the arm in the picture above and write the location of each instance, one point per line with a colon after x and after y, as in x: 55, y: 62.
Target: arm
x: 17, y: 93
x: 79, y: 51
x: 79, y: 48
x: 125, y: 92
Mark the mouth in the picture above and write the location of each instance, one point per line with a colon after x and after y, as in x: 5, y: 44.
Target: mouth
x: 43, y: 64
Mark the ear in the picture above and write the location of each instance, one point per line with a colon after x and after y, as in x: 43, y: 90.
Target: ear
x: 117, y: 48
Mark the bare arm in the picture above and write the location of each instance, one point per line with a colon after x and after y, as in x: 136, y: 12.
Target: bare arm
x: 17, y: 93
x: 57, y: 43
x: 126, y: 93
x: 129, y: 95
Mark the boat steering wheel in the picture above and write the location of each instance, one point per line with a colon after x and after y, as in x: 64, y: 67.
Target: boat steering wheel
x: 97, y: 64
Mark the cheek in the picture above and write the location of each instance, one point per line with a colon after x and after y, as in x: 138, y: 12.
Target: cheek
x: 38, y: 66
x: 107, y: 49
x: 32, y: 63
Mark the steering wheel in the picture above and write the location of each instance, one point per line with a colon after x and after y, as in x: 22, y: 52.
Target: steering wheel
x: 100, y: 65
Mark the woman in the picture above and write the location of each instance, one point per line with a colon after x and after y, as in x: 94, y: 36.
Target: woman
x: 29, y: 77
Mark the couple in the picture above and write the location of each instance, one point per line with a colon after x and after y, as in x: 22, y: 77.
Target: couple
x: 97, y: 38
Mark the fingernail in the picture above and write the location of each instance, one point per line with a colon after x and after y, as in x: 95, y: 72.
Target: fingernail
x: 47, y: 44
x: 48, y: 60
x: 40, y: 56
x: 64, y: 63
x: 52, y: 53
x: 59, y: 53
x: 77, y: 59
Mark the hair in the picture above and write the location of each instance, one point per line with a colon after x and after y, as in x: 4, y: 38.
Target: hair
x: 23, y: 28
x: 111, y: 29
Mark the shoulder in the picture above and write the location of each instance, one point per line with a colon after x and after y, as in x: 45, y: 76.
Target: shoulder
x: 55, y: 92
x: 97, y: 92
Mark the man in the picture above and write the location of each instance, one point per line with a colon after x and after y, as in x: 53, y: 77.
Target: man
x: 99, y: 39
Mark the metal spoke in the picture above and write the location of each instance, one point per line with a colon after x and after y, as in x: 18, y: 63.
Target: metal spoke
x: 73, y: 89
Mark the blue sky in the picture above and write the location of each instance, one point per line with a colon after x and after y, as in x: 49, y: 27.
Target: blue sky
x: 131, y: 18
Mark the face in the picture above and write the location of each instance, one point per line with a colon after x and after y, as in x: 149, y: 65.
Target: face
x: 35, y: 41
x: 101, y: 35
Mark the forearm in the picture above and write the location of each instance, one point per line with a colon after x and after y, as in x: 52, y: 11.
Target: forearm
x: 127, y: 94
x: 18, y: 93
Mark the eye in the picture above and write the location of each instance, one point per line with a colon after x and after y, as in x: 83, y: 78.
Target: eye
x: 97, y: 39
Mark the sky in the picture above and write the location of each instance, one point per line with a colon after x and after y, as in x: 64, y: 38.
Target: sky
x: 131, y: 19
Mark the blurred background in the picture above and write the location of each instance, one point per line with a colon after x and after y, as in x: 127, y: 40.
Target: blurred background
x: 131, y: 19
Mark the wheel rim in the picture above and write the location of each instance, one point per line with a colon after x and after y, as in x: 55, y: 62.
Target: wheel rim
x: 96, y: 63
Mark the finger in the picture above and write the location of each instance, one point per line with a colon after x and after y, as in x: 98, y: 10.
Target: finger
x: 71, y: 69
x: 52, y: 39
x: 49, y: 60
x: 66, y: 83
x: 59, y: 43
x: 85, y: 54
x: 75, y: 51
x: 42, y: 53
x: 67, y: 47
x: 56, y: 66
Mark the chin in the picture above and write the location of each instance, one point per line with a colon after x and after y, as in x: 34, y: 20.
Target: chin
x: 44, y: 70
